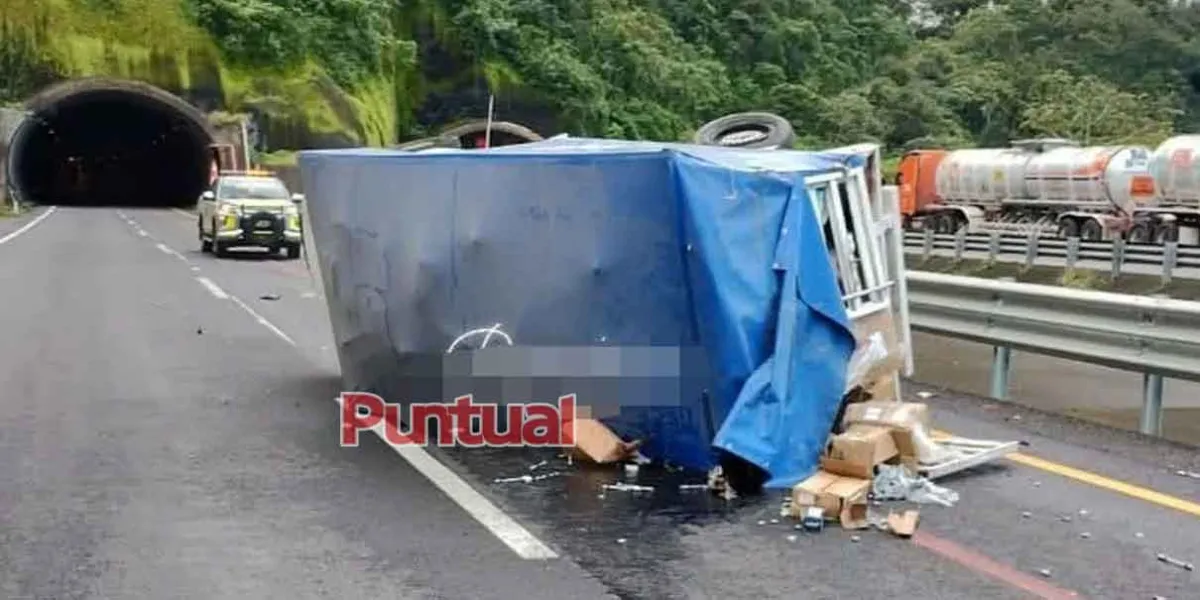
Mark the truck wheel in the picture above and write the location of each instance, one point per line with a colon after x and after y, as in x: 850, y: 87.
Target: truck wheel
x: 1091, y: 231
x: 1139, y: 234
x: 945, y: 223
x: 1167, y: 232
x: 205, y: 244
x: 747, y: 130
x: 1068, y: 228
x: 466, y: 133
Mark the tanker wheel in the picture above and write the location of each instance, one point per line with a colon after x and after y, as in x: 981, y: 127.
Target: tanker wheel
x: 945, y: 223
x: 761, y: 130
x: 1091, y: 231
x: 1068, y: 228
x: 1167, y: 232
x: 1139, y: 234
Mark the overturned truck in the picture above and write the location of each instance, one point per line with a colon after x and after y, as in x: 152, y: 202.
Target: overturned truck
x: 712, y: 302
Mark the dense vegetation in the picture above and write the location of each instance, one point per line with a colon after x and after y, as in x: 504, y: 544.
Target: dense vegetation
x: 948, y: 72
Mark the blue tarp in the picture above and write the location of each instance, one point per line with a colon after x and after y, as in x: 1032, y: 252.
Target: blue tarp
x: 694, y: 279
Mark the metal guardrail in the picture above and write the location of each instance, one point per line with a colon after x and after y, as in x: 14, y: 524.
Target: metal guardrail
x: 1118, y: 252
x: 1158, y: 337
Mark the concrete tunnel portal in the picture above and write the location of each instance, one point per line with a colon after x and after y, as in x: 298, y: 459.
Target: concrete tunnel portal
x: 102, y: 142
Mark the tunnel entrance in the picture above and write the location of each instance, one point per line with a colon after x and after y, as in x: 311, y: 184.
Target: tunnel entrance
x: 110, y: 143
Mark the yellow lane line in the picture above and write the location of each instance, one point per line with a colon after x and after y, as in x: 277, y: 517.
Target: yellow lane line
x: 1141, y: 493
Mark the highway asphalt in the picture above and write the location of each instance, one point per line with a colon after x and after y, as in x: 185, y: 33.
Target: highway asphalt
x: 168, y: 430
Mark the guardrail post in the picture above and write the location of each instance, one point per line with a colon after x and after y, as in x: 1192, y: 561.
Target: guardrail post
x: 928, y: 242
x: 1170, y: 256
x: 1001, y: 361
x: 960, y: 243
x: 1118, y: 256
x: 1031, y: 251
x: 1152, y: 391
x: 994, y: 246
x: 1072, y: 252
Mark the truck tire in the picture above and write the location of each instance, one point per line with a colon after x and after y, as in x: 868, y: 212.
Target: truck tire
x: 1068, y: 228
x: 463, y: 133
x: 1091, y: 231
x: 760, y: 130
x: 429, y: 142
x: 1139, y: 234
x: 205, y: 244
x: 1167, y: 232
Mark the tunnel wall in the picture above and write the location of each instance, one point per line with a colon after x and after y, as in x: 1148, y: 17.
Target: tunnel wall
x: 10, y: 119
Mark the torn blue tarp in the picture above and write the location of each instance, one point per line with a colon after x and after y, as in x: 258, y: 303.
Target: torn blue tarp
x: 684, y: 292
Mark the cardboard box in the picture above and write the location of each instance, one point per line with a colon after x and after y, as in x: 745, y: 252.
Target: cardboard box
x: 597, y: 443
x: 855, y: 452
x: 840, y: 498
x: 899, y: 417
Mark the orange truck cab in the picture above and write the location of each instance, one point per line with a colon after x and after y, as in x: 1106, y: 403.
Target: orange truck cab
x: 916, y: 180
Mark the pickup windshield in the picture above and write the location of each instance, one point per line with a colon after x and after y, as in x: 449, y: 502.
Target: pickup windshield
x: 252, y: 188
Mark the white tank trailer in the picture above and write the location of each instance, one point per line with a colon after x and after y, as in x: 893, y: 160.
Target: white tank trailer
x: 1175, y: 212
x: 1051, y: 185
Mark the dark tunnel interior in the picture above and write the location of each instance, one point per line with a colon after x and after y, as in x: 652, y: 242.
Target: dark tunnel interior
x: 106, y: 147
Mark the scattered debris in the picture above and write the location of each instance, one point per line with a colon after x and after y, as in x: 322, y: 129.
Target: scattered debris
x: 621, y: 540
x: 813, y: 518
x: 684, y: 487
x: 1037, y: 484
x: 774, y: 521
x: 855, y: 538
x: 1189, y: 474
x: 269, y: 297
x: 199, y: 331
x: 1045, y: 572
x: 1139, y: 535
x: 904, y: 524
x: 1187, y: 566
x: 792, y: 538
x: 521, y: 479
x: 1066, y: 518
x: 1085, y: 535
x: 1026, y: 514
x: 631, y: 470
x: 547, y: 475
x: 894, y: 482
x: 762, y: 522
x: 925, y: 395
x: 538, y: 465
x: 627, y: 487
x: 1083, y: 512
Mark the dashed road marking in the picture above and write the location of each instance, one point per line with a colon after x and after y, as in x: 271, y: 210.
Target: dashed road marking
x: 213, y: 288
x: 27, y: 226
x: 262, y: 320
x: 504, y: 527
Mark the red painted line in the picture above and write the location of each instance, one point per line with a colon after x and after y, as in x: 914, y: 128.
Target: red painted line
x: 986, y: 566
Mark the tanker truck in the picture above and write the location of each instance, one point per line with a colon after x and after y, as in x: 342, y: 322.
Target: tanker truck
x: 1175, y: 213
x: 1051, y: 186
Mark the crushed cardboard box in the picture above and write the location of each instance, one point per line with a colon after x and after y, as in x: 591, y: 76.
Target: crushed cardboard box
x: 595, y: 442
x: 903, y: 524
x: 901, y: 418
x: 840, y: 498
x: 856, y: 451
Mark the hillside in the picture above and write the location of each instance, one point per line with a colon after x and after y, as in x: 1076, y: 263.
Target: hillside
x: 370, y: 71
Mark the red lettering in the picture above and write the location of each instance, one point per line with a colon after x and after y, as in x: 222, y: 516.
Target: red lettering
x: 465, y: 416
x: 541, y: 426
x: 566, y: 420
x: 353, y: 421
x: 391, y: 426
x: 511, y: 436
x: 421, y: 413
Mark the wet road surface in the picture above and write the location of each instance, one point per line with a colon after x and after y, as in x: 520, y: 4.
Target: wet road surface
x: 169, y: 433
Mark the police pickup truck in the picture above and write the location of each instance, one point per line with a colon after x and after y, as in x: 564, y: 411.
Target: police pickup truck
x: 249, y: 209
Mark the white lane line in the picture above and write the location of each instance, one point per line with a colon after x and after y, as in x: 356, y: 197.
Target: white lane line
x: 213, y: 288
x: 262, y: 320
x: 173, y: 252
x: 504, y: 527
x: 27, y: 226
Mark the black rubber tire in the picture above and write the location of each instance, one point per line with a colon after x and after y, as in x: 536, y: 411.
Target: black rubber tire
x: 293, y: 251
x: 429, y: 142
x: 458, y: 132
x: 1167, y: 232
x: 1091, y: 231
x: 205, y: 245
x: 1068, y: 228
x: 1139, y: 234
x: 766, y: 131
x: 945, y: 223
